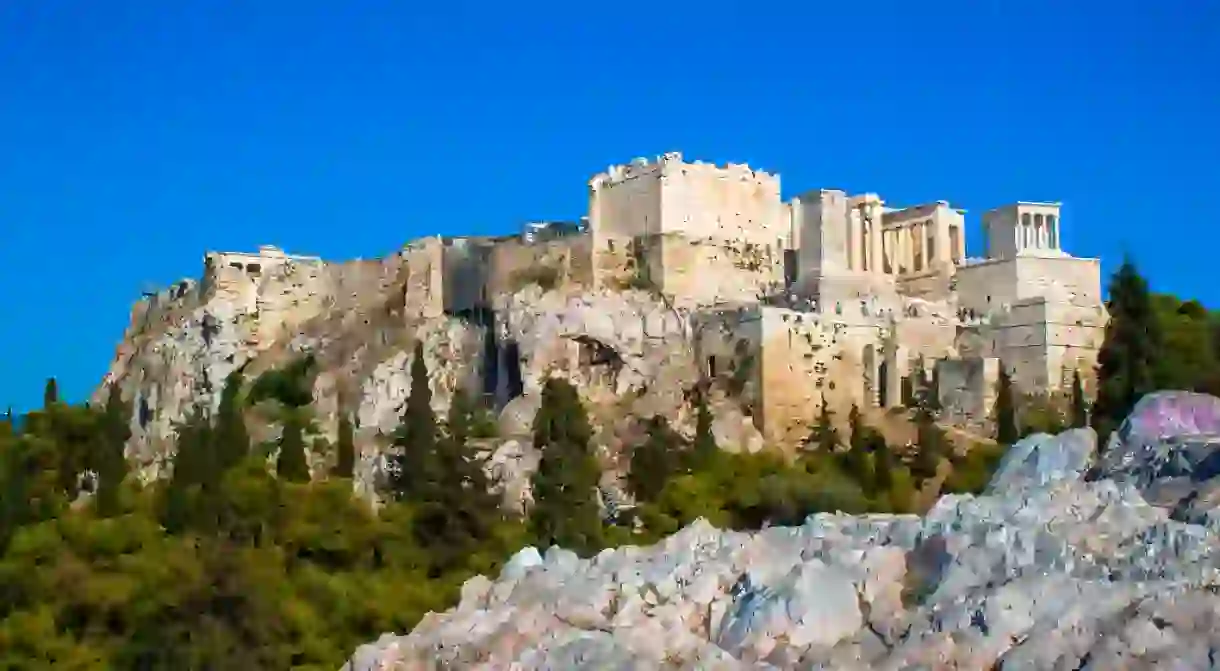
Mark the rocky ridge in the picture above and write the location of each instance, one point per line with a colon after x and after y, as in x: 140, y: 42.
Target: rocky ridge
x: 1067, y: 561
x: 360, y: 320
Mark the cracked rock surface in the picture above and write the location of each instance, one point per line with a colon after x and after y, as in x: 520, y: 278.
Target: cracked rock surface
x: 1062, y: 564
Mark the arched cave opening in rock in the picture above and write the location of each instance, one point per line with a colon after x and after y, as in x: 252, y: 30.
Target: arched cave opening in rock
x: 600, y: 362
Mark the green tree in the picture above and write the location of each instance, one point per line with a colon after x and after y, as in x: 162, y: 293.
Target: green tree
x: 231, y: 440
x: 415, y: 464
x: 856, y: 462
x: 654, y: 461
x: 457, y: 512
x: 566, y: 510
x: 704, y: 450
x: 931, y: 446
x: 1080, y: 411
x: 1126, y: 362
x: 345, y: 465
x: 50, y: 394
x: 1187, y: 359
x: 824, y: 437
x: 188, y: 499
x: 291, y: 464
x: 1007, y: 432
x: 111, y: 462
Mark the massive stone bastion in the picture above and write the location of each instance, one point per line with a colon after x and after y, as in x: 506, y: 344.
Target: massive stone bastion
x: 1069, y: 560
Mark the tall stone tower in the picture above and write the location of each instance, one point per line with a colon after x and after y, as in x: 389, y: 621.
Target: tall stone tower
x: 696, y: 231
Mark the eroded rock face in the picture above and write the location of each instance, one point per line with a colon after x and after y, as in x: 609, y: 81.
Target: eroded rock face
x: 1048, y: 570
x: 1167, y: 448
x: 628, y: 353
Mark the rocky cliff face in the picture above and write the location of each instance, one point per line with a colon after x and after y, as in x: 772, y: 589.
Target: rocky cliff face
x: 1067, y: 562
x: 629, y: 353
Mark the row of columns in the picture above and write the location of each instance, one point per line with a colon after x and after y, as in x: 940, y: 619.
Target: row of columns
x: 902, y: 248
x: 1038, y: 231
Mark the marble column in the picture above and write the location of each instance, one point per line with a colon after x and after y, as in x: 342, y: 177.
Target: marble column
x: 876, y: 247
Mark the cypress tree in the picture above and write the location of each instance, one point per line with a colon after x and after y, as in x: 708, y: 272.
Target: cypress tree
x: 291, y: 464
x: 930, y: 445
x: 111, y: 466
x: 825, y: 437
x: 195, y: 476
x: 654, y: 460
x: 704, y: 451
x: 414, y: 465
x: 855, y: 462
x: 232, y: 442
x: 458, y: 512
x: 1125, y: 362
x: 345, y: 466
x: 50, y: 394
x: 1006, y: 430
x: 883, y: 467
x: 566, y: 510
x: 1080, y: 416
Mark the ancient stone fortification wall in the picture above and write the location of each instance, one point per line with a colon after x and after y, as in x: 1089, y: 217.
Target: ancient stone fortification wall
x: 966, y: 388
x: 514, y: 263
x: 423, y: 290
x: 467, y: 262
x: 712, y: 270
x: 1042, y: 341
x: 673, y: 223
x: 804, y: 357
x: 990, y: 285
x: 729, y: 346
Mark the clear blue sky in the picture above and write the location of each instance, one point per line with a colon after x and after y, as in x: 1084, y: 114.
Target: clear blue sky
x: 136, y: 135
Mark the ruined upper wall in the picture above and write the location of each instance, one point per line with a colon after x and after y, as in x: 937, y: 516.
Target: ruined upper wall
x: 669, y: 195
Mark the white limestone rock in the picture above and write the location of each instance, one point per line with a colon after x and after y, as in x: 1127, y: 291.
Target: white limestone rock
x: 1045, y: 571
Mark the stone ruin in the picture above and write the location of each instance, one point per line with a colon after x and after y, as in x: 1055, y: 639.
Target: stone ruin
x: 679, y: 271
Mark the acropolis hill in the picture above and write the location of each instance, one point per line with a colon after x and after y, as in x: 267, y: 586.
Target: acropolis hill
x: 680, y: 271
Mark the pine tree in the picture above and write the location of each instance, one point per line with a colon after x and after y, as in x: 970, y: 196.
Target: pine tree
x: 704, y: 450
x: 883, y: 467
x: 1080, y: 406
x: 931, y: 445
x: 414, y: 465
x: 654, y: 460
x: 291, y: 464
x: 458, y: 512
x: 1125, y: 362
x: 232, y: 442
x: 111, y: 463
x: 189, y: 494
x: 825, y: 437
x: 345, y: 465
x: 1006, y: 430
x: 50, y: 394
x: 856, y: 461
x: 566, y: 511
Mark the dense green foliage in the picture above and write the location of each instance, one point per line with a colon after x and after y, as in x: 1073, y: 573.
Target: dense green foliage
x: 1006, y: 431
x: 239, y: 559
x: 1126, y: 362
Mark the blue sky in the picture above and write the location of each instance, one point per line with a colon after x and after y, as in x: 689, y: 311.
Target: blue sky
x: 136, y: 135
